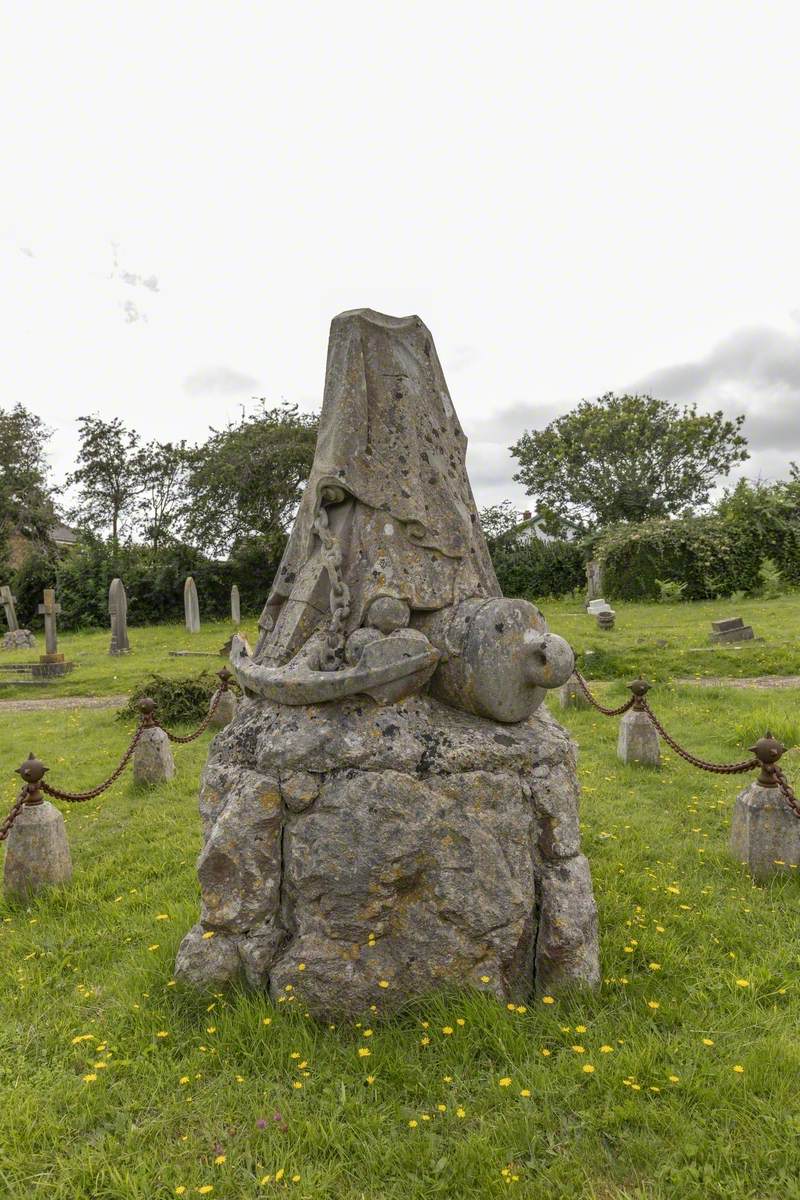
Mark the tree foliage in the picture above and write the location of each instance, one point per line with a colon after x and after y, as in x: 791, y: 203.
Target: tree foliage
x: 246, y: 481
x: 108, y: 481
x: 26, y: 502
x: 627, y: 458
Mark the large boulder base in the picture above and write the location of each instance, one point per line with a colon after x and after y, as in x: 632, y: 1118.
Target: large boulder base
x: 360, y: 855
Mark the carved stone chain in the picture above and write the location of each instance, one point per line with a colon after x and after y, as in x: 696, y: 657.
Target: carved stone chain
x: 332, y: 653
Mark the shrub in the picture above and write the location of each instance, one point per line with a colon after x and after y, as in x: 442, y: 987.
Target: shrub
x: 669, y: 590
x: 535, y: 569
x: 180, y: 701
x: 709, y: 555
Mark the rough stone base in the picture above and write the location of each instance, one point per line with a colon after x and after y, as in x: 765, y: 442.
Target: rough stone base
x: 152, y: 759
x: 357, y: 855
x: 638, y: 740
x: 765, y: 833
x: 37, y: 851
x: 50, y: 670
x: 19, y: 639
x: 224, y: 712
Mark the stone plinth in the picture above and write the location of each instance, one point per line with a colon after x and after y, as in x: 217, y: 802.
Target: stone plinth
x: 37, y: 851
x: 19, y: 639
x: 152, y: 759
x: 357, y: 854
x: 638, y: 740
x: 765, y: 833
x: 51, y: 666
x: 224, y: 712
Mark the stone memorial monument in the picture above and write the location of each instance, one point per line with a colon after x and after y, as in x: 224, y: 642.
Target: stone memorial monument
x: 392, y: 809
x: 731, y: 629
x: 16, y: 638
x: 51, y: 663
x: 191, y: 605
x: 236, y: 607
x: 118, y: 611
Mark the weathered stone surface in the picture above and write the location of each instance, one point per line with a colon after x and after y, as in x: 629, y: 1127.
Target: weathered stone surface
x: 152, y: 759
x: 37, y: 851
x: 638, y: 740
x: 594, y: 579
x: 50, y: 609
x: 207, y: 958
x: 236, y: 606
x: 765, y: 833
x: 19, y: 639
x: 732, y: 629
x: 596, y: 606
x: 224, y: 712
x: 8, y: 602
x: 118, y: 611
x: 411, y: 844
x: 571, y: 695
x: 191, y: 605
x: 605, y: 618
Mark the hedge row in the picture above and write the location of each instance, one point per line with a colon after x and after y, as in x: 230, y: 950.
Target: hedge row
x: 154, y: 587
x: 538, y: 570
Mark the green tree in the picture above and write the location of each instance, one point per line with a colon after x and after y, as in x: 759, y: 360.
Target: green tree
x: 627, y: 458
x: 108, y: 477
x: 497, y: 520
x: 26, y: 502
x: 162, y: 469
x: 246, y: 481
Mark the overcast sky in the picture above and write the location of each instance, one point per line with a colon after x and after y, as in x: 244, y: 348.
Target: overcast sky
x: 575, y: 197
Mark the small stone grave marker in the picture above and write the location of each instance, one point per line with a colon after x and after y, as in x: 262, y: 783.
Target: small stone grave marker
x: 118, y: 611
x: 191, y: 605
x: 731, y: 629
x: 51, y: 662
x: 597, y: 606
x: 236, y: 606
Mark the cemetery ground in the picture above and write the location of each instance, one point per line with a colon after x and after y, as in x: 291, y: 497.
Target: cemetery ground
x: 678, y: 1078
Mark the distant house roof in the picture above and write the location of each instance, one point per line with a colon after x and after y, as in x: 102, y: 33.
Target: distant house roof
x: 63, y: 535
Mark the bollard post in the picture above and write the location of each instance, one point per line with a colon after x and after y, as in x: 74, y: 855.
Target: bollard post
x: 152, y: 759
x: 638, y: 738
x: 37, y: 850
x: 225, y: 710
x: 765, y: 833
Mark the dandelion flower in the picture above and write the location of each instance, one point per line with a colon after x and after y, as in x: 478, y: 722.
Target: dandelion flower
x: 297, y: 1085
x: 579, y: 1049
x: 383, y: 983
x: 505, y: 1081
x: 180, y: 1189
x: 485, y: 978
x: 525, y: 1092
x: 447, y: 1030
x: 364, y: 1052
x: 412, y: 1124
x: 162, y: 1033
x: 606, y: 1049
x: 546, y: 1052
x: 548, y: 1000
x: 460, y: 1112
x: 209, y: 933
x: 205, y: 1189
x: 674, y: 1078
x: 89, y: 1078
x: 739, y: 1069
x: 588, y: 1068
x: 219, y: 1160
x: 295, y: 1179
x: 743, y: 983
x: 707, y: 1042
x: 653, y: 1004
x: 266, y: 1020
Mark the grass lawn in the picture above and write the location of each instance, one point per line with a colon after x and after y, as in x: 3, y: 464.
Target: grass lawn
x: 117, y: 1085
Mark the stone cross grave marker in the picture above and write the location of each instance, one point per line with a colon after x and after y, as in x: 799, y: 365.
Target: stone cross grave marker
x: 50, y: 610
x: 118, y: 611
x: 191, y: 605
x: 236, y: 606
x: 8, y: 601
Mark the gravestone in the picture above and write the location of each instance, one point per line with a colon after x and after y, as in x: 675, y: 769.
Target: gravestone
x: 597, y: 606
x: 594, y: 580
x: 15, y: 638
x: 572, y: 695
x: 118, y: 611
x: 51, y: 663
x: 8, y: 602
x: 236, y: 606
x: 191, y: 606
x: 392, y: 810
x: 731, y: 629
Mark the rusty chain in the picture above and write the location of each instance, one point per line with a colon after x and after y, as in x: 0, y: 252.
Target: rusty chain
x: 37, y: 785
x: 202, y: 727
x: 715, y: 768
x: 786, y: 790
x: 608, y: 712
x: 93, y: 793
x: 17, y: 808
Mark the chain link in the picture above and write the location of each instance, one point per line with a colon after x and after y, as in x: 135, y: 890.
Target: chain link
x: 201, y: 728
x: 786, y: 790
x: 77, y: 797
x: 332, y: 653
x: 715, y: 768
x: 608, y: 712
x: 19, y: 804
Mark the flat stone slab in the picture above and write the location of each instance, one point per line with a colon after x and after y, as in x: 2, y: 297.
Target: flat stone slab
x: 357, y: 854
x: 726, y: 624
x: 739, y: 633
